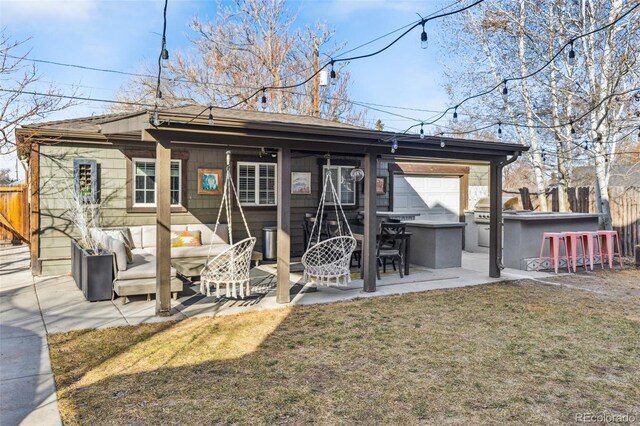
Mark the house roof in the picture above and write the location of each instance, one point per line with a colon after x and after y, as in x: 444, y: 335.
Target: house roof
x: 93, y: 123
x: 620, y: 175
x: 190, y: 125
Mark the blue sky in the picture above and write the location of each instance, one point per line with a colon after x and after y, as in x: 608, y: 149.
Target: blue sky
x: 125, y: 34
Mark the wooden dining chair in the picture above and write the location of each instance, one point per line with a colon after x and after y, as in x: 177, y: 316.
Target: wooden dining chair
x: 391, y: 246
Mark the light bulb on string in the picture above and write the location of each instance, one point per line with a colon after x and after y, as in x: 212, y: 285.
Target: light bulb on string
x: 210, y: 115
x: 158, y: 96
x: 394, y: 144
x: 333, y: 75
x: 424, y: 39
x: 164, y: 56
x: 572, y: 55
x: 264, y: 100
x: 505, y: 92
x: 442, y: 145
x: 156, y: 119
x: 455, y: 114
x: 499, y: 129
x: 421, y: 131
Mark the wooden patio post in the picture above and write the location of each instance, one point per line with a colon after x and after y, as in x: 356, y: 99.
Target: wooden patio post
x: 163, y: 227
x: 283, y: 192
x: 495, y: 218
x: 370, y: 222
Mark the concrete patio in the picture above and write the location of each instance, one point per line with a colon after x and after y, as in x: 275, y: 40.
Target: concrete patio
x: 32, y: 307
x: 62, y: 306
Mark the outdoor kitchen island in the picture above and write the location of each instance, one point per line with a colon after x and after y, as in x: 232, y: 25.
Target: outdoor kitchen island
x: 523, y: 230
x: 436, y: 244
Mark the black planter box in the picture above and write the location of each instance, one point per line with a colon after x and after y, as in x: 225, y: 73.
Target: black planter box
x: 93, y: 273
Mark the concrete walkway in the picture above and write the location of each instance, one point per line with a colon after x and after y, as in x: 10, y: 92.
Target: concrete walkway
x: 31, y: 307
x: 27, y: 389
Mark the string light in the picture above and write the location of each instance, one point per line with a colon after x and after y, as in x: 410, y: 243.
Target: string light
x: 210, y: 115
x: 156, y: 119
x: 441, y: 141
x: 499, y: 129
x: 164, y: 55
x: 424, y: 39
x: 394, y: 144
x: 421, y: 132
x: 455, y: 114
x: 544, y: 156
x: 505, y: 91
x: 572, y: 55
x: 264, y: 99
x: 158, y: 96
x: 333, y: 74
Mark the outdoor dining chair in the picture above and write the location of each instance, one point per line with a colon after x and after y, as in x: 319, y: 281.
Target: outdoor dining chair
x: 391, y: 246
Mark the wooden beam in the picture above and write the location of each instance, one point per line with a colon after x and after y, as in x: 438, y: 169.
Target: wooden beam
x: 370, y: 222
x: 495, y: 218
x: 284, y: 225
x: 34, y: 220
x: 163, y: 227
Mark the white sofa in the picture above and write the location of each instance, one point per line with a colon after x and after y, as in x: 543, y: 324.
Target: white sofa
x: 139, y: 276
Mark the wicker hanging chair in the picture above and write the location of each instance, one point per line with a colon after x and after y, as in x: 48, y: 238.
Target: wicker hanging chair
x: 328, y: 262
x: 232, y: 267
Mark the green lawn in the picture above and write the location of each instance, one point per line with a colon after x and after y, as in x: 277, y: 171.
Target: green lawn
x: 500, y: 353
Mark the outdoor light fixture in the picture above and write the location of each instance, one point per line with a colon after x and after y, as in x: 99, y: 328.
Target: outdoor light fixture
x: 394, y: 144
x: 332, y: 74
x: 156, y: 119
x: 264, y: 100
x: 499, y: 129
x: 165, y: 57
x: 572, y: 55
x: 421, y: 131
x: 210, y: 115
x: 544, y: 156
x: 505, y: 91
x: 424, y: 40
x: 158, y: 96
x: 441, y: 141
x: 357, y: 174
x: 455, y: 114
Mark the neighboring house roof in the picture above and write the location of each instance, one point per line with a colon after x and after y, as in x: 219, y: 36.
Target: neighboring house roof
x: 621, y: 175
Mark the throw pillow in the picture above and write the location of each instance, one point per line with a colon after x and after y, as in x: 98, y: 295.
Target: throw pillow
x: 186, y: 239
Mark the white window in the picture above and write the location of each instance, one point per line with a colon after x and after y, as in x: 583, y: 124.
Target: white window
x: 257, y: 184
x: 144, y: 182
x: 345, y: 186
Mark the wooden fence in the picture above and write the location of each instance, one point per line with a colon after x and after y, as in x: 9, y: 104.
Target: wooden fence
x: 624, y: 204
x: 14, y: 213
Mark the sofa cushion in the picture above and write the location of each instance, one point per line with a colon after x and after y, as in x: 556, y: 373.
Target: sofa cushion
x: 124, y: 235
x: 136, y: 236
x: 118, y: 249
x: 149, y: 234
x: 186, y: 239
x: 143, y: 266
x: 206, y: 229
x: 186, y: 252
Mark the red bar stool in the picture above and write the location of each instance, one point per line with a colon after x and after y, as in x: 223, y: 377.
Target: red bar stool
x: 554, y: 248
x: 606, y: 245
x: 572, y: 239
x: 590, y: 240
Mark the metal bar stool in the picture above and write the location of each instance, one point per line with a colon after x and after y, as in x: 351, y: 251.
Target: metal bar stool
x: 572, y: 239
x: 607, y: 247
x: 554, y: 249
x: 590, y: 240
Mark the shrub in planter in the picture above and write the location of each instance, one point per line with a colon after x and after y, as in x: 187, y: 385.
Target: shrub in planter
x: 92, y: 271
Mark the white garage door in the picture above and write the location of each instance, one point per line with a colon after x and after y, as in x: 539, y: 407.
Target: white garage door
x: 436, y: 198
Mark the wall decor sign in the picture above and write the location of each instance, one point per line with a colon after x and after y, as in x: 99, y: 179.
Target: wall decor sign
x: 210, y: 181
x: 300, y: 183
x: 381, y: 185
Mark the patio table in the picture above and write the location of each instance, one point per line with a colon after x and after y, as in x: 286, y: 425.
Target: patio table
x: 359, y: 236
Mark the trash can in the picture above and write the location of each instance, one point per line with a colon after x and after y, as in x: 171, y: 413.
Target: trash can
x: 269, y: 240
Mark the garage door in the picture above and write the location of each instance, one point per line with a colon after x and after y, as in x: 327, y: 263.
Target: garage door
x: 436, y: 198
